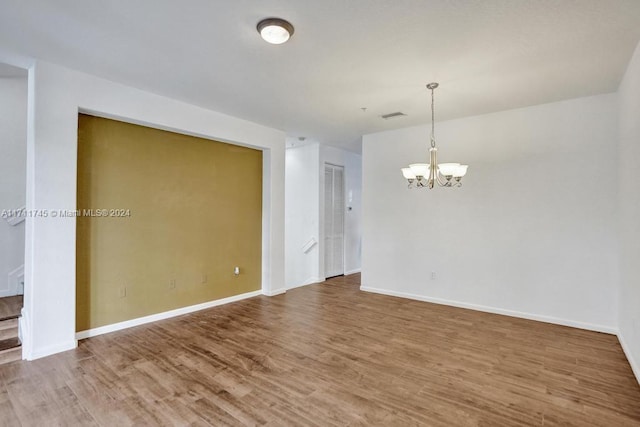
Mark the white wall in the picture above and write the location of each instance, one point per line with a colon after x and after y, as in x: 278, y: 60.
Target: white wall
x: 56, y: 94
x: 304, y: 211
x: 13, y: 145
x: 629, y: 205
x: 532, y: 231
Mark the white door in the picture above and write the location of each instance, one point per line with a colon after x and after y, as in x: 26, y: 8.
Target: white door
x: 333, y: 220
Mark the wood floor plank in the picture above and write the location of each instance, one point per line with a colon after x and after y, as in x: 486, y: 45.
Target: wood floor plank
x: 330, y: 355
x: 9, y: 417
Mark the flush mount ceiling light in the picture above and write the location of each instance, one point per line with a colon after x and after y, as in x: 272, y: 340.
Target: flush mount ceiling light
x: 420, y: 175
x: 275, y: 30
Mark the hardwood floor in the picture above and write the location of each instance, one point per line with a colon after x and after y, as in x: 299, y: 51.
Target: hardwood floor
x: 329, y: 354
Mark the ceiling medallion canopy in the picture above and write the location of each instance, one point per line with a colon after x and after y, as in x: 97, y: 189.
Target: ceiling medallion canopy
x: 421, y: 175
x: 275, y: 30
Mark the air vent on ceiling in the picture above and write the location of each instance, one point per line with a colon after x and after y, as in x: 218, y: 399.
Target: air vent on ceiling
x: 392, y: 115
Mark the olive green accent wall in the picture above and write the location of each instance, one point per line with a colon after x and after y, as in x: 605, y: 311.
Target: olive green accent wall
x: 195, y: 209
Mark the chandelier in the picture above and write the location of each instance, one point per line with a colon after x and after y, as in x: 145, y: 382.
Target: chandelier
x: 420, y: 175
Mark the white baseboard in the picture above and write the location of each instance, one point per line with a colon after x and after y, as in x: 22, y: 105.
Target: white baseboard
x: 357, y: 270
x: 274, y: 292
x: 635, y: 367
x: 494, y: 310
x: 23, y: 332
x: 161, y: 316
x: 309, y: 281
x: 312, y: 280
x: 48, y: 351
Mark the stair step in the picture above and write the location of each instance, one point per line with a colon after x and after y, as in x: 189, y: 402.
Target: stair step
x: 9, y: 333
x: 9, y: 323
x: 9, y: 343
x: 10, y: 355
x: 9, y: 316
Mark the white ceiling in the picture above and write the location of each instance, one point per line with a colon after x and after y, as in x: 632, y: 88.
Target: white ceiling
x: 488, y: 55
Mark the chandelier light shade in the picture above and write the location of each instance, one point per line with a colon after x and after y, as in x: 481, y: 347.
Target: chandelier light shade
x: 275, y: 30
x: 426, y: 175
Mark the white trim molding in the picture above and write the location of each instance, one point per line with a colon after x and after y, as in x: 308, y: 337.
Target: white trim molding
x: 627, y: 352
x: 309, y: 281
x: 274, y: 292
x: 23, y: 331
x: 51, y: 350
x: 357, y: 270
x: 161, y: 316
x: 494, y: 310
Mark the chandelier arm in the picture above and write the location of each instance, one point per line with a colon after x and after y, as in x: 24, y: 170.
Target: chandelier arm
x: 440, y: 183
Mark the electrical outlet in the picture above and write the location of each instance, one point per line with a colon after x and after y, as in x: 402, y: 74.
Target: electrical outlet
x: 122, y: 292
x: 433, y: 275
x: 205, y: 279
x: 172, y: 284
x: 236, y: 271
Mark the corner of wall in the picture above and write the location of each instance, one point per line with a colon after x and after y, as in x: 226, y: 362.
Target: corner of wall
x: 274, y: 292
x: 629, y: 212
x: 635, y: 366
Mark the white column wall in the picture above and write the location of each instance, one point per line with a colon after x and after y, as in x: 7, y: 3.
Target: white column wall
x: 629, y: 206
x: 302, y: 213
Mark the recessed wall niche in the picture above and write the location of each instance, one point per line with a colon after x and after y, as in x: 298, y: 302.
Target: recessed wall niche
x: 163, y: 219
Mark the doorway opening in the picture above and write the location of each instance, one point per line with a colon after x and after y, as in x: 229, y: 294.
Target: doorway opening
x: 333, y: 220
x: 13, y: 175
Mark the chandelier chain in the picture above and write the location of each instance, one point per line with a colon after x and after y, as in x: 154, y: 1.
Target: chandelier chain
x: 433, y: 121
